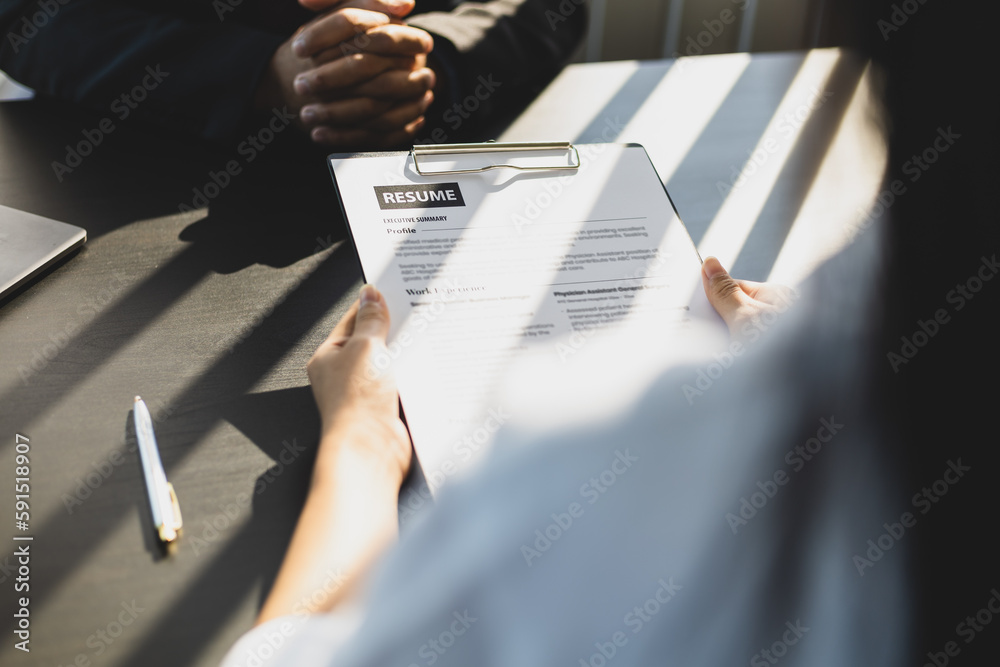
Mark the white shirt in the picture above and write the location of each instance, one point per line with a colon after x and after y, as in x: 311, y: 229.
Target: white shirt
x: 673, y: 532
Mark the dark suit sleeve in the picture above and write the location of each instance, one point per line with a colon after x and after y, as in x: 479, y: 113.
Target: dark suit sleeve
x: 504, y: 50
x: 92, y: 52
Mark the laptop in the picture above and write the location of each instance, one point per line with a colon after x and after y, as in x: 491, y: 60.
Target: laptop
x: 30, y: 244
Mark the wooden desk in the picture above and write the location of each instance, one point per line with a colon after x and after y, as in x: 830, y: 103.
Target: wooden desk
x: 211, y: 317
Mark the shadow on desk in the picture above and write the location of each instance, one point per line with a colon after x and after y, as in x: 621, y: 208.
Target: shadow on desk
x: 233, y: 379
x: 251, y: 556
x: 137, y: 173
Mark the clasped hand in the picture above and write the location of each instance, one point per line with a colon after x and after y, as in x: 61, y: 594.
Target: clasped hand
x: 356, y: 76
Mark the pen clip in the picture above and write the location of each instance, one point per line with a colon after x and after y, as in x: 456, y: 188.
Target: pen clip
x: 171, y: 527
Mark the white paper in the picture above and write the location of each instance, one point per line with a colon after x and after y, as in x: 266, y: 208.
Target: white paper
x: 517, y: 291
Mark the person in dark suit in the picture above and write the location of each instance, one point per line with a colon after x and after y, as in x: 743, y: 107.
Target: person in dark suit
x: 353, y: 74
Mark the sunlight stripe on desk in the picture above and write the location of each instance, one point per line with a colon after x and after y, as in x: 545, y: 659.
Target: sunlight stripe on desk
x: 684, y: 103
x: 732, y: 225
x: 846, y: 185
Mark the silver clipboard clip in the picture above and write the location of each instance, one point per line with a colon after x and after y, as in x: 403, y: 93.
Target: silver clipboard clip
x: 434, y: 150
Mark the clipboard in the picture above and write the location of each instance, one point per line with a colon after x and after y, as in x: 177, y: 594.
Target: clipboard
x: 491, y: 254
x: 491, y: 147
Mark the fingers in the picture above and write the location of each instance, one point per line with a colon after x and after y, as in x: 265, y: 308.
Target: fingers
x: 395, y: 40
x: 348, y: 138
x: 769, y: 293
x: 740, y: 302
x: 332, y: 29
x: 348, y: 71
x: 366, y: 113
x: 396, y: 85
x: 397, y: 8
x: 368, y: 316
x: 345, y: 327
x: 352, y: 30
x: 723, y: 292
x: 402, y: 113
x: 373, y: 314
x: 343, y: 112
x: 369, y: 101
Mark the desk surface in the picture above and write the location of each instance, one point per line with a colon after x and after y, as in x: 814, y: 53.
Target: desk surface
x: 769, y: 158
x: 210, y: 315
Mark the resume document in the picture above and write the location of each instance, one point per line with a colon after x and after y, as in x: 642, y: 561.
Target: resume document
x: 509, y: 289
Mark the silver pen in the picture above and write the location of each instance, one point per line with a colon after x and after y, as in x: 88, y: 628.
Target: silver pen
x: 163, y: 500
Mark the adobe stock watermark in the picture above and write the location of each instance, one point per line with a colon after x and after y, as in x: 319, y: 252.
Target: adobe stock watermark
x: 248, y: 150
x: 713, y: 30
x: 914, y: 168
x: 223, y: 7
x: 578, y: 339
x: 469, y: 446
x: 57, y: 341
x: 22, y: 617
x: 958, y: 297
x: 898, y: 17
x: 790, y: 123
x: 793, y: 633
x: 320, y: 597
x: 121, y: 107
x: 424, y: 314
x: 635, y: 620
x: 435, y: 647
x: 459, y: 112
x: 91, y: 480
x: 924, y: 500
x: 301, y: 271
x: 592, y: 490
x: 276, y: 636
x: 796, y: 458
x: 463, y: 451
x: 29, y: 27
x: 104, y: 637
x: 214, y: 526
x: 967, y: 629
x: 554, y: 188
x: 750, y: 333
x: 565, y: 9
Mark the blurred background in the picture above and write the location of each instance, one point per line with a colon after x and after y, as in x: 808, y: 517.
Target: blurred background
x: 650, y: 29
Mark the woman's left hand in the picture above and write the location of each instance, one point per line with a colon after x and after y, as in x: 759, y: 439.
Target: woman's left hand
x: 355, y: 392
